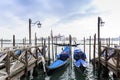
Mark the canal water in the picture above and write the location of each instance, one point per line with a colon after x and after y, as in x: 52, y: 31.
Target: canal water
x: 69, y: 73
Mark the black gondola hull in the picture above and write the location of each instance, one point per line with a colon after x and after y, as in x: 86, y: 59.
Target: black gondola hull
x: 50, y: 71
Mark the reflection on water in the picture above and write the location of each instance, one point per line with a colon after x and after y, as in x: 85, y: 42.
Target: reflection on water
x: 68, y: 73
x: 79, y: 76
x: 60, y: 75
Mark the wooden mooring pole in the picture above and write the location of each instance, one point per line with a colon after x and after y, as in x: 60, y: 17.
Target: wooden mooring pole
x: 56, y: 47
x: 35, y: 70
x: 35, y: 40
x: 99, y: 47
x: 44, y: 49
x: 94, y: 51
x: 7, y: 64
x: 26, y: 63
x: 23, y: 41
x: 13, y: 40
x: 52, y: 45
x: 70, y: 42
x: 118, y: 62
x: 84, y: 45
x: 90, y: 49
x: 42, y: 45
x: 1, y: 42
x: 49, y: 50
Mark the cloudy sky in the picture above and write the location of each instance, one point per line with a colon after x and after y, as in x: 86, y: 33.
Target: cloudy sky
x: 75, y: 17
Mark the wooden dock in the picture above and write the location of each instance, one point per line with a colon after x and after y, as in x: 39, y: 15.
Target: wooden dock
x: 15, y: 66
x: 110, y: 58
x: 107, y: 61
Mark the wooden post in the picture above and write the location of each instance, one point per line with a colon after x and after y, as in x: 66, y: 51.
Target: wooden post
x: 35, y: 40
x: 48, y: 50
x: 7, y: 64
x: 70, y: 41
x: 84, y: 45
x: 106, y: 55
x: 99, y: 47
x: 106, y: 42
x: 56, y: 48
x: 36, y: 56
x: 119, y: 40
x: 52, y: 45
x: 13, y: 40
x: 90, y: 49
x: 26, y: 65
x: 1, y: 42
x: 23, y: 41
x: 44, y: 47
x: 94, y: 49
x: 30, y: 21
x: 42, y: 42
x: 99, y: 62
x: 109, y: 43
x: 35, y: 70
x: 114, y: 76
x: 118, y: 61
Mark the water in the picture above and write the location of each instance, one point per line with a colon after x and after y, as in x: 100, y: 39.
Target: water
x: 68, y: 73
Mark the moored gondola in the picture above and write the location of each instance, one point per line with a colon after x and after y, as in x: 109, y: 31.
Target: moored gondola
x: 61, y: 62
x: 80, y: 62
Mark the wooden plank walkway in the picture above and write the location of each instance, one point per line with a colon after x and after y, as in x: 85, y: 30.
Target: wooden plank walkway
x: 18, y: 65
x: 110, y: 58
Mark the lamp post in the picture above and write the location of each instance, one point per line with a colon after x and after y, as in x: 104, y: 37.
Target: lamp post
x: 30, y: 22
x: 100, y: 23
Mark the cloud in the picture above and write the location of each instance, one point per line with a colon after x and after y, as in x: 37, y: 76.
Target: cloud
x: 77, y: 17
x: 110, y: 14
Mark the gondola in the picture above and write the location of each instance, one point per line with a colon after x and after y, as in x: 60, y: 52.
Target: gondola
x: 64, y: 44
x: 61, y: 62
x: 80, y: 63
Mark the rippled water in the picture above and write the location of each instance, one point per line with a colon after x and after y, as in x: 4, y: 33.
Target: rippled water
x: 68, y: 73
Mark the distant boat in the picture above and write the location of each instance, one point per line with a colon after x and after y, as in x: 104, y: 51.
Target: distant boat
x: 61, y: 62
x: 64, y: 44
x: 80, y: 62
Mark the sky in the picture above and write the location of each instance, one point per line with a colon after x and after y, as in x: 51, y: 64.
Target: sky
x: 77, y: 18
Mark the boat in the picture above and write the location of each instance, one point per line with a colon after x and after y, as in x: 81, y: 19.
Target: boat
x: 64, y: 44
x: 61, y: 62
x: 80, y: 63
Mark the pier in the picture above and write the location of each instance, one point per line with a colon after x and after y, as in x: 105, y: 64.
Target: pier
x: 15, y: 66
x: 16, y: 62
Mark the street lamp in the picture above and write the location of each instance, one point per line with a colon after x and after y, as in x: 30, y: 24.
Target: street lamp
x: 100, y: 23
x: 30, y: 22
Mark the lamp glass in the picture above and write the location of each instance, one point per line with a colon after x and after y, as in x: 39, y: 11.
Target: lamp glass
x: 39, y: 25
